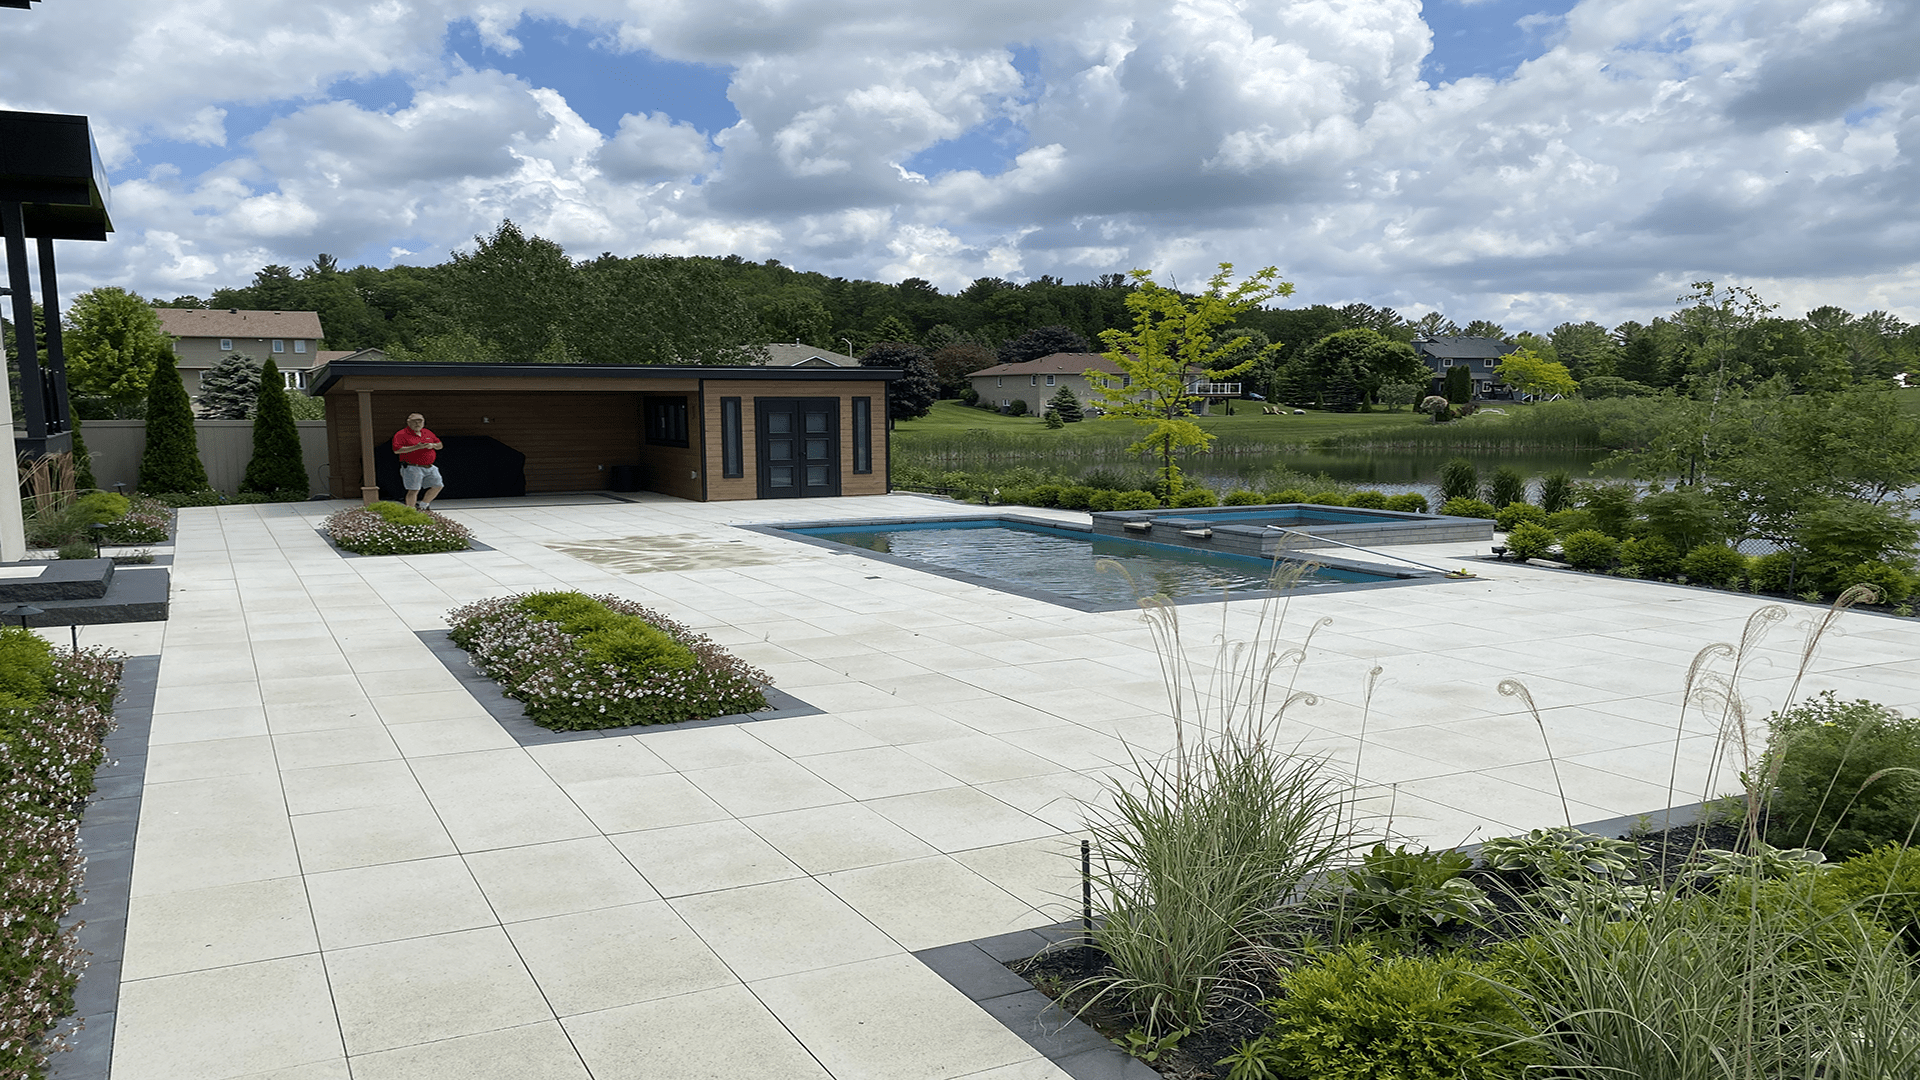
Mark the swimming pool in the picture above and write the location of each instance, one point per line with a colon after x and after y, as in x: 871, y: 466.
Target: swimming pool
x: 1062, y: 565
x: 1267, y: 531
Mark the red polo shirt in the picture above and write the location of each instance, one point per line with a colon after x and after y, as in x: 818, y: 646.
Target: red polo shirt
x: 405, y: 438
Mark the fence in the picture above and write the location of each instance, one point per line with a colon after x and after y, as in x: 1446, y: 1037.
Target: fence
x: 226, y: 446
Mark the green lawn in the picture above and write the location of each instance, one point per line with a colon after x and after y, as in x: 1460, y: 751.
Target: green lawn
x: 950, y: 418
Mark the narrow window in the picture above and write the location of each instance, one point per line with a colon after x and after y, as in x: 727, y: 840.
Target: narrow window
x: 667, y: 421
x: 1033, y: 380
x: 279, y: 345
x: 862, y: 435
x: 300, y: 346
x: 732, y: 455
x: 999, y: 380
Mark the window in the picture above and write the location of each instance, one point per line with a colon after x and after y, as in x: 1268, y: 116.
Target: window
x: 226, y: 344
x: 1033, y: 380
x: 732, y: 457
x: 667, y: 421
x: 1050, y: 380
x: 999, y: 380
x: 279, y: 345
x: 300, y: 346
x: 862, y: 435
x: 296, y: 380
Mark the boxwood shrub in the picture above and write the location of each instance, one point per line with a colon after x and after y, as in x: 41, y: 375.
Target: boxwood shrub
x: 1518, y: 513
x: 585, y: 662
x: 1528, y: 540
x: 1411, y: 502
x: 1471, y: 508
x: 1590, y: 549
x: 1368, y: 500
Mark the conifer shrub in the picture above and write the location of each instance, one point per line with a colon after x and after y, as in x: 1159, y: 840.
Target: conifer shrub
x: 228, y: 389
x: 82, y: 461
x: 276, y: 464
x: 1845, y: 776
x: 1411, y: 502
x: 1714, y: 564
x: 1471, y: 508
x: 1066, y: 406
x: 1518, y: 513
x: 171, y: 460
x: 1590, y: 549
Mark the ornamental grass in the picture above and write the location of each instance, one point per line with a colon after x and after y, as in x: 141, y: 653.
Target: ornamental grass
x: 388, y: 528
x: 585, y: 662
x: 50, y: 743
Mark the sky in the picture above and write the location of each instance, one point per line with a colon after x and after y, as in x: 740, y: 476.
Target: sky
x: 1526, y: 161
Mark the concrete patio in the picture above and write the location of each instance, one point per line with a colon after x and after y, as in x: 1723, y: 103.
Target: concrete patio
x: 344, y: 867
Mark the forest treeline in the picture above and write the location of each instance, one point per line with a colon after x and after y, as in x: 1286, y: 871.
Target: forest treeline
x: 517, y: 297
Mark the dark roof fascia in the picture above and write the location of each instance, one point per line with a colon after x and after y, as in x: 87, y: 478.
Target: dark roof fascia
x: 331, y: 373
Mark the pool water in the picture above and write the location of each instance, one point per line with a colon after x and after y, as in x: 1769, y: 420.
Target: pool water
x: 1065, y: 562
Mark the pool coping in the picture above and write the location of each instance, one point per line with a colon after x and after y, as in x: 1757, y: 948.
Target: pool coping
x: 785, y: 530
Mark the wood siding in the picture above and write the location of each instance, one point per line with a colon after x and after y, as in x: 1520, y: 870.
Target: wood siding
x: 747, y: 487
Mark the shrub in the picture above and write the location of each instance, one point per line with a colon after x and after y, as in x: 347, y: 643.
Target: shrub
x: 1892, y: 584
x: 26, y: 667
x: 969, y: 396
x: 1411, y: 502
x: 1556, y: 491
x: 626, y: 664
x: 1472, y: 508
x: 1845, y: 776
x: 1241, y: 497
x: 1884, y: 885
x: 1715, y: 564
x: 1196, y: 496
x: 1459, y: 480
x: 1290, y: 495
x: 1018, y: 407
x: 1408, y: 895
x: 1567, y: 522
x: 1353, y: 1015
x: 1685, y: 517
x: 1066, y: 406
x: 77, y: 549
x: 1509, y: 486
x: 1052, y: 420
x: 1518, y: 513
x: 1590, y: 549
x: 1135, y: 500
x: 276, y: 464
x: 1612, y: 505
x: 1326, y: 498
x: 100, y: 507
x: 1650, y: 557
x: 1368, y: 500
x: 389, y: 528
x: 1075, y: 498
x: 1530, y: 541
x: 1045, y: 495
x: 1774, y: 572
x: 1101, y: 500
x: 171, y: 459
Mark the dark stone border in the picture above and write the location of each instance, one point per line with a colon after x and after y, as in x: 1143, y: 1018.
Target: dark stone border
x: 512, y: 715
x: 106, y: 840
x: 979, y: 970
x: 784, y: 530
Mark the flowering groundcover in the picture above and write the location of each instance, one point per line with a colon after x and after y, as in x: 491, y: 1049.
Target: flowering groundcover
x: 388, y: 528
x: 584, y: 662
x: 55, y: 712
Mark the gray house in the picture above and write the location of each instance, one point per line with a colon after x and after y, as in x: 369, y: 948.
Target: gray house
x: 1479, y: 355
x: 203, y: 338
x: 1036, y: 381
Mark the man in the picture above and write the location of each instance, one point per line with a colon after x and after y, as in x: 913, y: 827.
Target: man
x: 414, y: 445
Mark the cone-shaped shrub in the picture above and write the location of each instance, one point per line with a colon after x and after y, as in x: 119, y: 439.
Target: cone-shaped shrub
x: 276, y: 464
x: 171, y: 461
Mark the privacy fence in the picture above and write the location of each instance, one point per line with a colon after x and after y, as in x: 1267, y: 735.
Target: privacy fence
x: 225, y: 448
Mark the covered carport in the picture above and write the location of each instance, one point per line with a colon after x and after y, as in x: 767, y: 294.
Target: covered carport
x: 700, y: 433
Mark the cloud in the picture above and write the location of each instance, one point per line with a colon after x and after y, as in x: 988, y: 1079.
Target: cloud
x: 1648, y: 143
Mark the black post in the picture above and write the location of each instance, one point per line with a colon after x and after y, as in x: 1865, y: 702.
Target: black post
x: 1086, y: 890
x: 32, y: 397
x: 58, y: 418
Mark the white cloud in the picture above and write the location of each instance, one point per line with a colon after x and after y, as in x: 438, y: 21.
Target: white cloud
x: 1652, y: 142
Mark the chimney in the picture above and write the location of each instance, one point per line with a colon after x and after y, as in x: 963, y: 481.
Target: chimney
x: 233, y: 311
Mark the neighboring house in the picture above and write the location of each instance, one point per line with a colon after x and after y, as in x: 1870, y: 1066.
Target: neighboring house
x: 1036, y: 381
x: 1478, y: 355
x: 203, y: 338
x: 796, y: 355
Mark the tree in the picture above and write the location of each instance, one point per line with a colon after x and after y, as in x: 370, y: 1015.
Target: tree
x: 1043, y: 341
x: 1585, y: 348
x: 1066, y: 406
x: 1173, y: 336
x: 1530, y: 373
x: 1433, y: 325
x: 656, y: 309
x: 914, y: 395
x: 1395, y: 395
x: 230, y: 388
x: 114, y: 347
x: 171, y: 460
x: 1457, y: 386
x: 1484, y: 328
x: 276, y: 464
x: 513, y: 289
x: 952, y: 365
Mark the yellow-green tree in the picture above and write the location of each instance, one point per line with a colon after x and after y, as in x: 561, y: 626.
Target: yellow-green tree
x: 113, y: 344
x: 1172, y: 344
x: 1530, y: 373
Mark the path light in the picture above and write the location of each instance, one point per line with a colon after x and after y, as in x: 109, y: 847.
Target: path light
x: 24, y: 611
x: 99, y: 530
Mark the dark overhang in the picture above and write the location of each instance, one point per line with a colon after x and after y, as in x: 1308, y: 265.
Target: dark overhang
x: 329, y: 374
x: 48, y: 163
x: 21, y: 4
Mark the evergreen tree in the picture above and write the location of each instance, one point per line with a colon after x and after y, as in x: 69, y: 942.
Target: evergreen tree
x: 171, y: 460
x: 914, y: 395
x: 1065, y: 405
x: 1458, y: 386
x: 82, y: 462
x: 276, y: 464
x: 228, y: 388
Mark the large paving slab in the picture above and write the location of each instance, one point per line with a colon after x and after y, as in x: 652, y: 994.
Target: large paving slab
x: 343, y: 867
